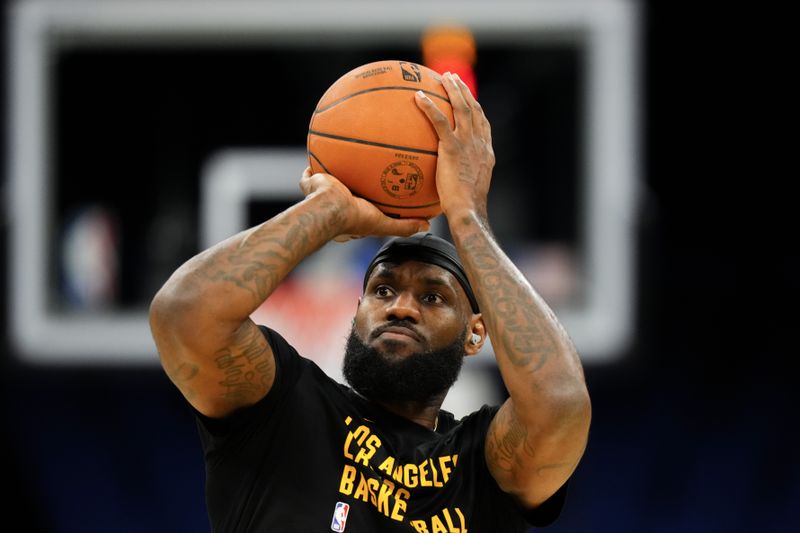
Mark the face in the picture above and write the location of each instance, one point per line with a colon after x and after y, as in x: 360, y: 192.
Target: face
x: 411, y: 307
x: 408, y: 338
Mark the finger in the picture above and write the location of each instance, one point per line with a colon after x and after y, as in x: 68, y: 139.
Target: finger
x: 401, y: 226
x: 461, y: 110
x: 434, y: 114
x: 305, y: 181
x: 346, y: 238
x: 479, y: 121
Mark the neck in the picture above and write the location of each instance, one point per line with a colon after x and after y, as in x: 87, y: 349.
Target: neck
x: 425, y: 414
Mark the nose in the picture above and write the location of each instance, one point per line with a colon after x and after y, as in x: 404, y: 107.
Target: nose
x: 403, y: 307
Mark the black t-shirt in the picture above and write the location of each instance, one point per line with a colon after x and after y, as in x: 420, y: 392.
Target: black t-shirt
x: 313, y: 455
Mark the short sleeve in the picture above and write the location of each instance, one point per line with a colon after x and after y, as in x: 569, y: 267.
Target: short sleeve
x: 494, y: 505
x: 215, y: 433
x: 549, y: 511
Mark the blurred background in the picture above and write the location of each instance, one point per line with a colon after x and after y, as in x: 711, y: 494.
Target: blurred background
x: 629, y: 187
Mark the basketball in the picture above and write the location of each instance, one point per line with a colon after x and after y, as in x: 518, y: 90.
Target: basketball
x: 368, y: 132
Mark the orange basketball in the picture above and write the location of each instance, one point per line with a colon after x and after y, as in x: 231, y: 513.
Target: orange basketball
x: 368, y: 132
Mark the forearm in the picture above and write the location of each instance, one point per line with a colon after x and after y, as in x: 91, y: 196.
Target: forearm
x: 227, y: 282
x: 536, y: 358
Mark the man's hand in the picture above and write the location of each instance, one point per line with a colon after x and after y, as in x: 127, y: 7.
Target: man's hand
x: 466, y: 158
x: 357, y: 217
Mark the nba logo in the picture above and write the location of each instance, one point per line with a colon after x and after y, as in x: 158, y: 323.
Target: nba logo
x: 340, y: 516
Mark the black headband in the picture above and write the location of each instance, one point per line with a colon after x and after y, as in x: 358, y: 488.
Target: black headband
x: 428, y: 248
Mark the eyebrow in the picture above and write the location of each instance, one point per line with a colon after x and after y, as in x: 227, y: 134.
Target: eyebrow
x: 386, y: 274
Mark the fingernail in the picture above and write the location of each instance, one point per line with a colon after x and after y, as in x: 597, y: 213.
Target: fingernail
x: 421, y: 94
x: 456, y: 76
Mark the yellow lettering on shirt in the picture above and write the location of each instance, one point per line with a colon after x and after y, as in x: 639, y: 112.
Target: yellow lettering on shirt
x: 442, y: 522
x: 384, y: 495
x: 461, y: 520
x: 423, y: 475
x: 359, y: 435
x: 387, y: 465
x: 420, y: 526
x: 365, y: 454
x: 362, y: 492
x: 400, y: 504
x: 374, y: 484
x: 346, y: 484
x: 443, y: 468
x: 386, y: 487
x: 436, y: 525
x: 410, y: 475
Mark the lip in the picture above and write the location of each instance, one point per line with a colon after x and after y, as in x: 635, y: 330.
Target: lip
x: 398, y: 330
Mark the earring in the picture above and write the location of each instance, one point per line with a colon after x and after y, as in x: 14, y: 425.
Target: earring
x: 475, y: 338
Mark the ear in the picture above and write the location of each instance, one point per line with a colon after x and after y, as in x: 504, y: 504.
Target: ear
x: 476, y: 335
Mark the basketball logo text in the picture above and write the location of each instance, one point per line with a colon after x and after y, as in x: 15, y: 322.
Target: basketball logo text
x: 402, y: 179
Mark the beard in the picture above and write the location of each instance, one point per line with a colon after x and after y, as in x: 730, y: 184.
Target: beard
x: 418, y: 377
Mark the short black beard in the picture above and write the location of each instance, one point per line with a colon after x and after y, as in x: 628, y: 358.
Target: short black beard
x: 419, y: 377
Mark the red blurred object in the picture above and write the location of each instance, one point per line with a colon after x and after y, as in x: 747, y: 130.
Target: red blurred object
x: 451, y: 49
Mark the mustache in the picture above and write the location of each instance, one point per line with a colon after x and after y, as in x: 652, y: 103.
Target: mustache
x: 395, y: 324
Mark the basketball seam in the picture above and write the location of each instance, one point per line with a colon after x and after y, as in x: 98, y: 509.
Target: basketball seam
x: 401, y: 206
x: 389, y: 88
x: 320, y: 162
x: 372, y: 143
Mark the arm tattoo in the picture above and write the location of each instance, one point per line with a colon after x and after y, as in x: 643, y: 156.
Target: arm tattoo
x: 268, y: 252
x: 246, y: 368
x: 517, y: 322
x: 508, y: 441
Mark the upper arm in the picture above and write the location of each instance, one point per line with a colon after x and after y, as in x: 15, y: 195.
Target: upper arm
x: 531, y: 464
x: 217, y: 367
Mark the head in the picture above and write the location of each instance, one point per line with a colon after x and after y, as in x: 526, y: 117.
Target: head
x: 415, y: 323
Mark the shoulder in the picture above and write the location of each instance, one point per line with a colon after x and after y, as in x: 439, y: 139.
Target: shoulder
x: 289, y: 363
x: 468, y: 434
x: 292, y: 371
x: 476, y: 421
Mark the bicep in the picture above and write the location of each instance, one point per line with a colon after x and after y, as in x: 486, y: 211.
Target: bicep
x: 218, y: 372
x: 529, y: 464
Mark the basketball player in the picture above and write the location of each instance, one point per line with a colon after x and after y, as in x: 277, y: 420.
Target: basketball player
x: 289, y: 450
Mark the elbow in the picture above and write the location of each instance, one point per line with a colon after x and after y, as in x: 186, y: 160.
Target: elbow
x: 567, y: 406
x: 163, y: 303
x: 582, y: 408
x: 172, y: 305
x: 572, y: 402
x: 573, y: 413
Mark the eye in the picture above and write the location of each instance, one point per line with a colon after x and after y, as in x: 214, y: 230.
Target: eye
x: 432, y: 298
x: 383, y: 291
